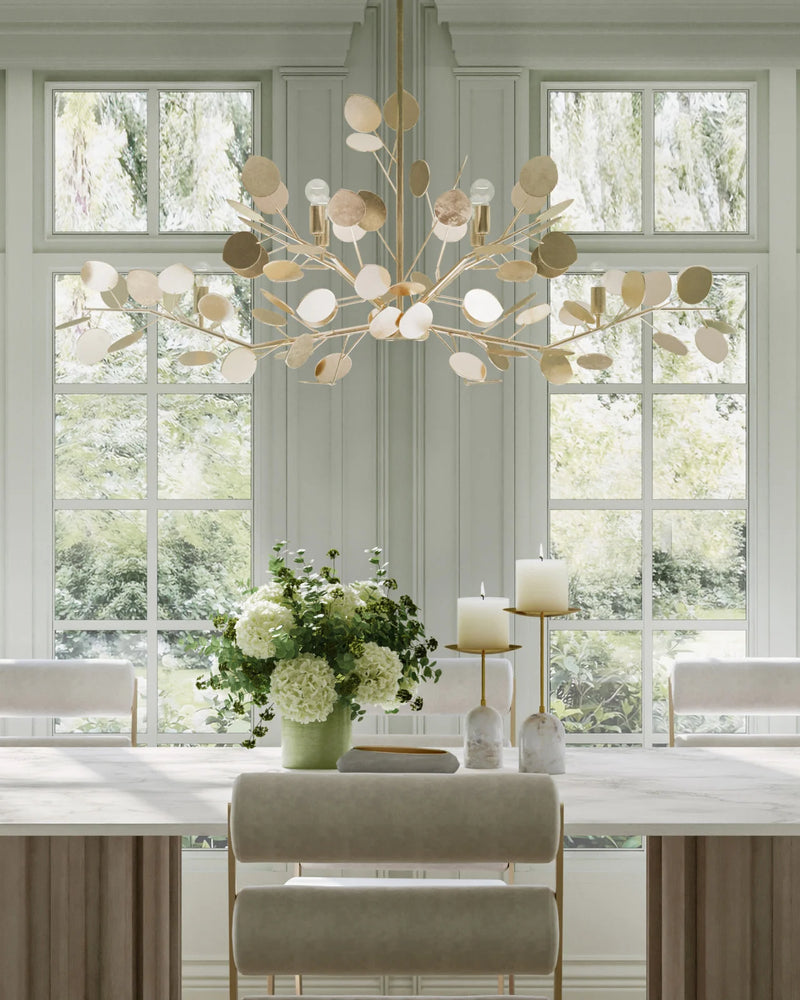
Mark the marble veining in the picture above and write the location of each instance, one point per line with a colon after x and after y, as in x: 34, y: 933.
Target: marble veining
x: 167, y: 791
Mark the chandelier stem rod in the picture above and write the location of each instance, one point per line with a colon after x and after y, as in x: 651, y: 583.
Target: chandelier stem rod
x: 399, y: 219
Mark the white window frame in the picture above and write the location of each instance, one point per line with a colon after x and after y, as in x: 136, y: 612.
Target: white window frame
x: 708, y: 240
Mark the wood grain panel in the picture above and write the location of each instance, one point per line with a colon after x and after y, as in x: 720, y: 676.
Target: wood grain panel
x: 723, y: 918
x: 90, y: 918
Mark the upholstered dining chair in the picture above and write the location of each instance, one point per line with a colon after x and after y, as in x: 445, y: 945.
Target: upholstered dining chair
x: 766, y: 685
x: 67, y: 689
x: 457, y: 691
x: 401, y: 926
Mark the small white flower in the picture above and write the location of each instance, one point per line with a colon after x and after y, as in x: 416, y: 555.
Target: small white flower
x: 379, y: 671
x: 258, y: 622
x: 303, y: 689
x: 342, y: 602
x: 366, y: 590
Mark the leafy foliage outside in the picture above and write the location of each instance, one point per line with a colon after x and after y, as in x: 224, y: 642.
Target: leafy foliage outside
x: 309, y: 621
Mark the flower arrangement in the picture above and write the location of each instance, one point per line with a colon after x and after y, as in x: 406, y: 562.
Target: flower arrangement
x: 305, y: 642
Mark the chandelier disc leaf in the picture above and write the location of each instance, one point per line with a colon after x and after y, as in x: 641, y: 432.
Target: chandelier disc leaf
x: 283, y: 270
x: 405, y: 288
x: 177, y: 279
x: 92, y: 345
x: 270, y: 317
x: 613, y: 282
x: 633, y: 288
x: 481, y: 307
x: 122, y: 342
x: 544, y: 269
x: 539, y: 176
x: 346, y: 208
x: 721, y: 325
x: 416, y: 321
x: 670, y: 343
x: 348, y: 234
x: 332, y: 367
x: 242, y: 250
x: 595, y: 362
x: 239, y: 365
x: 453, y: 208
x: 418, y: 278
x: 533, y: 315
x: 98, y: 276
x: 450, y: 234
x: 300, y: 351
x: 527, y: 203
x: 500, y: 361
x: 260, y: 176
x: 364, y: 142
x: 712, y: 344
x: 317, y: 307
x: 118, y: 296
x: 558, y: 251
x: 375, y: 214
x: 556, y: 367
x: 384, y: 323
x: 410, y: 111
x: 573, y: 313
x: 272, y: 203
x: 657, y: 288
x: 196, y: 359
x: 215, y: 307
x: 468, y: 366
x: 419, y: 177
x: 372, y: 281
x: 362, y: 113
x: 516, y: 270
x: 694, y: 284
x: 278, y: 303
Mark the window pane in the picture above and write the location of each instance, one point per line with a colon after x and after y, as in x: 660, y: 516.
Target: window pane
x: 100, y: 161
x: 101, y: 444
x: 623, y: 343
x: 668, y: 645
x: 699, y: 563
x: 204, y: 446
x: 101, y: 564
x: 595, y: 447
x: 699, y: 446
x: 203, y: 561
x: 603, y: 550
x: 111, y: 645
x: 596, y: 141
x: 205, y: 139
x: 726, y: 301
x: 596, y: 680
x: 701, y: 161
x: 174, y: 339
x: 128, y: 365
x: 181, y: 706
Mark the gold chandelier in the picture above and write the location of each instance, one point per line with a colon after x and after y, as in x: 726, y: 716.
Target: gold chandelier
x: 397, y: 306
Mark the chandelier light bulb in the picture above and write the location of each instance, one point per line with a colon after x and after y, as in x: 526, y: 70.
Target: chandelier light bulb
x: 481, y: 191
x: 318, y: 192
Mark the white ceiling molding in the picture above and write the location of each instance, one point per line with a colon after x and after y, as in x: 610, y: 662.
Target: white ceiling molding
x: 144, y: 34
x: 605, y: 33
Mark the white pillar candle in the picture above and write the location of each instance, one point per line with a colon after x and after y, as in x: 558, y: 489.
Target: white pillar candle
x: 482, y: 623
x: 542, y: 585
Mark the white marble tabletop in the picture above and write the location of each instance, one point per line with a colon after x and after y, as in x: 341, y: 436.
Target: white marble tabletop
x: 168, y: 791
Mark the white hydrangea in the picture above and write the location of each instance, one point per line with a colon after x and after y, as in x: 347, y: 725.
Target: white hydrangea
x: 379, y: 671
x: 342, y: 602
x: 256, y: 624
x: 366, y: 590
x: 272, y: 591
x: 303, y: 689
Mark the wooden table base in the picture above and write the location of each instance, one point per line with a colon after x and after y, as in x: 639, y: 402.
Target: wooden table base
x: 90, y: 918
x: 723, y: 918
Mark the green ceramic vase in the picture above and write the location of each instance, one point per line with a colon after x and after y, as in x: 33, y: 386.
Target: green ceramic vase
x: 316, y: 745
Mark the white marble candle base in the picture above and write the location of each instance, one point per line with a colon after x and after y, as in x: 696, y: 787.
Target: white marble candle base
x: 483, y: 738
x: 542, y: 744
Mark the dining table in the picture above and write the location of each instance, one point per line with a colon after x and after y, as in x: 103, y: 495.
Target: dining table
x: 90, y: 863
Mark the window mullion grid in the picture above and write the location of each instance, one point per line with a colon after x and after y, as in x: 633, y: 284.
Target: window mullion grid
x: 152, y: 528
x: 647, y: 532
x: 153, y: 162
x: 648, y: 161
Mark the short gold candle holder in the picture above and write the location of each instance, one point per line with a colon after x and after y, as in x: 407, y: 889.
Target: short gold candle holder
x: 542, y: 740
x: 483, y: 727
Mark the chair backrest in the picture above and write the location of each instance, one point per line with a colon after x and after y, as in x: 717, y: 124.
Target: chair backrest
x: 345, y: 926
x: 748, y: 686
x: 457, y: 691
x: 66, y: 689
x: 398, y: 818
